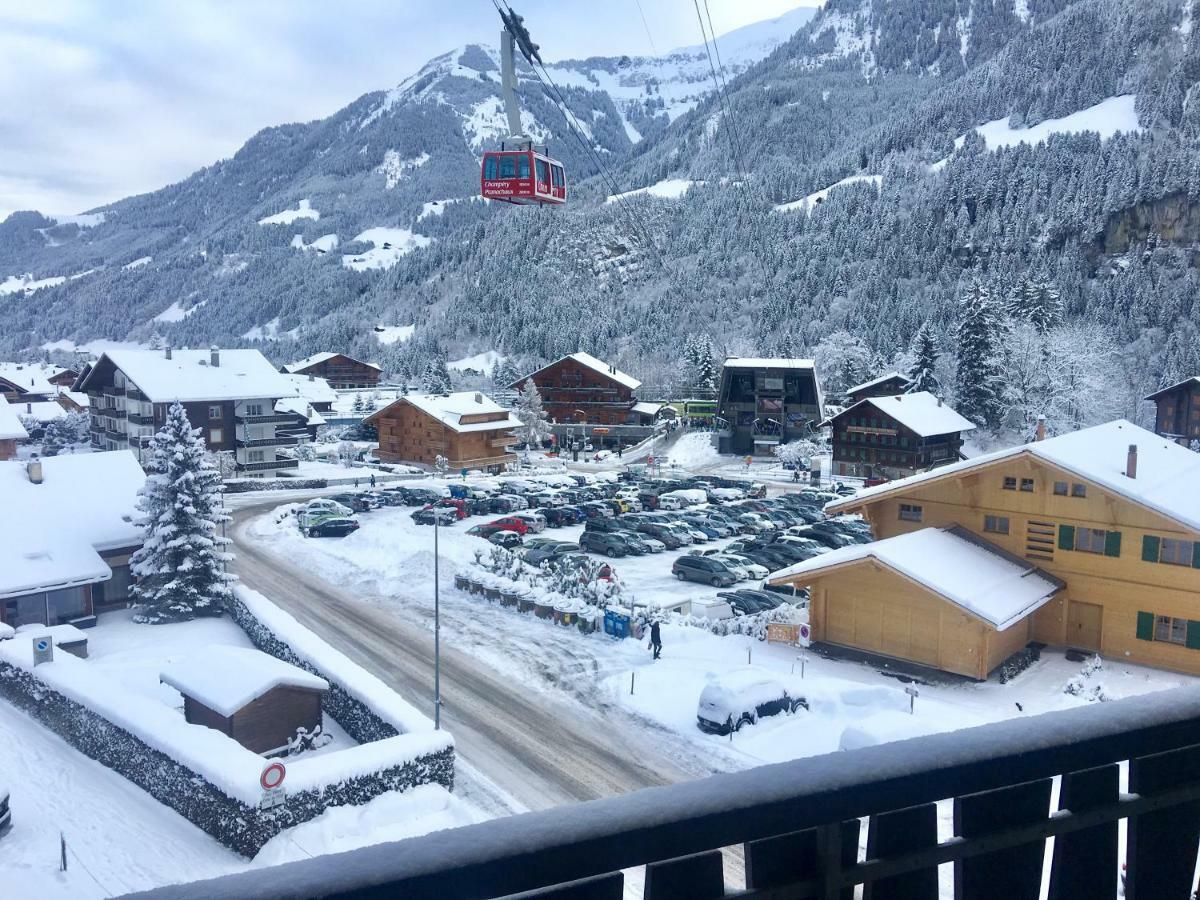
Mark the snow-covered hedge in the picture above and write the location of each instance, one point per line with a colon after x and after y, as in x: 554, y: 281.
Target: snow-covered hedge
x: 274, y: 484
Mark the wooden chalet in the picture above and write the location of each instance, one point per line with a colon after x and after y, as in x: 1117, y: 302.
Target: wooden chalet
x: 583, y: 389
x: 467, y: 428
x: 1089, y: 540
x: 891, y: 437
x: 1177, y: 411
x: 261, y: 702
x: 342, y: 372
x: 886, y: 385
x: 25, y: 383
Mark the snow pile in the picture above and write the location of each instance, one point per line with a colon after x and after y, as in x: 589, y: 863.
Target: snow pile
x: 323, y: 244
x: 394, y: 334
x: 667, y: 189
x: 288, y: 216
x: 694, y: 451
x: 884, y: 727
x: 394, y: 169
x: 390, y: 245
x: 807, y: 204
x: 27, y: 284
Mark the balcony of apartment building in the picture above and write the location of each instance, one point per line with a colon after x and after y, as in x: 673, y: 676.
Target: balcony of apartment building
x: 270, y: 465
x: 277, y: 440
x: 267, y: 417
x: 979, y: 802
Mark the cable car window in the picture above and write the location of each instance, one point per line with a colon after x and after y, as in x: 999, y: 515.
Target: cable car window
x: 522, y: 166
x: 489, y: 168
x: 558, y: 175
x: 508, y: 167
x: 543, y: 172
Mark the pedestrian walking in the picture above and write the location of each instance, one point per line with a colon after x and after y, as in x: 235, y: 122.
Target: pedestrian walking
x: 655, y: 638
x: 372, y: 479
x: 356, y: 482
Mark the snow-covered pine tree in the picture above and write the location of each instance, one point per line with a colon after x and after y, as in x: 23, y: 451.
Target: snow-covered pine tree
x: 180, y: 566
x: 700, y: 367
x: 980, y: 386
x: 54, y: 440
x: 529, y: 410
x: 436, y: 377
x: 1037, y: 301
x: 504, y: 373
x: 925, y: 351
x: 360, y: 405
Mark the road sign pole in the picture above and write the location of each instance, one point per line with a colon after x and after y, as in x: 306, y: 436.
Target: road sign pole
x: 437, y: 637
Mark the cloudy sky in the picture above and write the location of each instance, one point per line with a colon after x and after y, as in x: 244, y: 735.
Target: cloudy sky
x: 100, y: 99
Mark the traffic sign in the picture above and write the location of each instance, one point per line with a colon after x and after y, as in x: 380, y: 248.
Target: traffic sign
x: 43, y: 650
x: 272, y: 776
x: 649, y: 460
x: 805, y: 632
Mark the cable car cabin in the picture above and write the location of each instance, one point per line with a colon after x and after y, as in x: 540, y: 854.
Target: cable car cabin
x: 523, y: 176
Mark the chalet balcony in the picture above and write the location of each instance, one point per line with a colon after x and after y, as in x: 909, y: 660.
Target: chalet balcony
x: 113, y: 435
x: 796, y: 827
x: 268, y: 466
x: 277, y: 441
x: 267, y: 419
x: 116, y: 413
x: 134, y: 394
x: 139, y: 419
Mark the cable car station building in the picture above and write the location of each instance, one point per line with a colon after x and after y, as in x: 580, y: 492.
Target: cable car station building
x: 1089, y: 540
x: 767, y: 402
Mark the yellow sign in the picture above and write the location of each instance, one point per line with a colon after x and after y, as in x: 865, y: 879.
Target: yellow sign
x: 782, y: 633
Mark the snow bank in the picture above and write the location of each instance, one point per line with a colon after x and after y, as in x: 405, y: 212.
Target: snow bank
x: 288, y: 216
x: 27, y: 284
x: 394, y: 334
x: 324, y: 244
x: 480, y: 362
x: 694, y: 451
x: 390, y: 245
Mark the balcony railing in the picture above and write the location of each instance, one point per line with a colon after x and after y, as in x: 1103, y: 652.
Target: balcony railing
x: 116, y: 413
x: 265, y: 419
x: 139, y: 419
x: 277, y: 441
x: 268, y: 466
x: 796, y: 825
x: 114, y: 435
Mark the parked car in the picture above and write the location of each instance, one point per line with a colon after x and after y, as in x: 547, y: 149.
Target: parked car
x: 660, y: 532
x: 423, y: 496
x: 608, y: 543
x: 704, y: 570
x: 535, y: 521
x: 512, y: 523
x: 332, y: 527
x: 326, y: 506
x: 441, y: 515
x: 744, y: 696
x: 505, y: 538
x: 459, y: 506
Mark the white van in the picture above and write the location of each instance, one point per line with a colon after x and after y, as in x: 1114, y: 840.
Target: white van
x: 669, y: 502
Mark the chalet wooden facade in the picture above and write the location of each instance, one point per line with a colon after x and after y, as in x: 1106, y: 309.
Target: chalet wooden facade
x: 767, y: 402
x: 467, y: 428
x: 886, y: 385
x: 583, y: 389
x: 1111, y: 512
x: 1177, y: 411
x: 261, y: 702
x: 895, y: 436
x: 341, y: 371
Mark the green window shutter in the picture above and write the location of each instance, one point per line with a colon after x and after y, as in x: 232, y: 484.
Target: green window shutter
x: 1193, y: 635
x: 1066, y: 537
x: 1150, y: 545
x: 1112, y: 543
x: 1196, y: 555
x: 1145, y: 626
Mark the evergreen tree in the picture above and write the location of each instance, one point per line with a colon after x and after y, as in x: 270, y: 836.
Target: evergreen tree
x: 436, y: 377
x: 360, y: 405
x: 529, y: 410
x: 925, y: 351
x: 504, y: 373
x: 180, y: 566
x: 700, y: 367
x: 1037, y: 301
x: 55, y: 438
x: 980, y: 386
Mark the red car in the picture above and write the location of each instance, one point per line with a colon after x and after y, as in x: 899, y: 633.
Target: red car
x: 459, y: 506
x: 512, y: 523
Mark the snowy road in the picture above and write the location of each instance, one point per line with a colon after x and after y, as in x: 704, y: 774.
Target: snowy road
x: 532, y: 748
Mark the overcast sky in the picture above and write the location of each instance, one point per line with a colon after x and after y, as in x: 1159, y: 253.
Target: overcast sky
x: 100, y: 99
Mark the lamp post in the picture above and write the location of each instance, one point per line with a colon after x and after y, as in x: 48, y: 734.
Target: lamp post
x: 437, y: 649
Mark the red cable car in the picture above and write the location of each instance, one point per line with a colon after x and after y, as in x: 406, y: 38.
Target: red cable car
x: 523, y: 177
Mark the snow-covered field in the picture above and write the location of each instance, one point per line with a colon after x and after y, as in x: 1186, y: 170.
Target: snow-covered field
x: 667, y: 189
x: 806, y: 204
x: 303, y: 211
x: 389, y: 245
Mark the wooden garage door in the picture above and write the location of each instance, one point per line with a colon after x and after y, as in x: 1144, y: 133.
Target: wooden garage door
x: 897, y: 622
x: 1084, y: 625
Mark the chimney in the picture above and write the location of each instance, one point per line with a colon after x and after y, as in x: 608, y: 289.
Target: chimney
x: 33, y: 469
x: 479, y: 398
x: 29, y: 409
x: 168, y: 351
x: 214, y: 356
x: 1131, y: 462
x: 939, y: 400
x: 1041, y: 429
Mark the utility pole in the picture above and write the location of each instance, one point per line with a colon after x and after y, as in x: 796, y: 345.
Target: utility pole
x: 437, y: 649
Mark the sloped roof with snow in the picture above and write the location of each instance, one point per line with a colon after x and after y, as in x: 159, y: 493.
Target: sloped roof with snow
x: 1167, y: 482
x: 189, y: 376
x: 301, y: 364
x: 42, y: 410
x: 50, y: 532
x: 761, y: 362
x: 312, y: 389
x: 29, y: 377
x: 299, y: 406
x: 887, y: 376
x: 1194, y: 381
x: 596, y: 365
x: 449, y: 409
x: 11, y: 428
x: 921, y: 413
x: 982, y: 579
x: 226, y: 678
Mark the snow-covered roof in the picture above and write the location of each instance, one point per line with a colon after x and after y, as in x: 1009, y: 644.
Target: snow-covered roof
x: 226, y: 678
x: 449, y: 409
x: 299, y: 406
x: 58, y: 634
x: 760, y: 362
x: 189, y: 376
x: 1167, y: 482
x: 647, y: 409
x: 79, y: 398
x: 29, y: 377
x: 42, y: 410
x: 301, y: 364
x: 11, y: 428
x: 50, y: 532
x: 887, y: 376
x: 1194, y: 381
x: 982, y: 579
x: 597, y: 365
x: 312, y: 389
x: 922, y: 413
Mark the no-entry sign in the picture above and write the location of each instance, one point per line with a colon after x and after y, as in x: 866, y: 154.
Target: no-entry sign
x: 272, y: 776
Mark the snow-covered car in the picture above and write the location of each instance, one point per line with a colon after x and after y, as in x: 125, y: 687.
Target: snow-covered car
x: 325, y: 506
x: 332, y: 526
x: 726, y: 494
x: 758, y: 524
x: 752, y: 568
x: 743, y: 696
x: 505, y: 538
x: 535, y: 521
x: 655, y: 545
